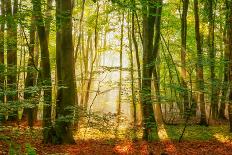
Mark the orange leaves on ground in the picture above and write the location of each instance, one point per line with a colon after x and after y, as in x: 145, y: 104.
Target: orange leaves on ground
x: 124, y: 148
x: 111, y: 146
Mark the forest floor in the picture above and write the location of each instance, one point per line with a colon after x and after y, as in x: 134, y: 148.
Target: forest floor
x: 197, y: 140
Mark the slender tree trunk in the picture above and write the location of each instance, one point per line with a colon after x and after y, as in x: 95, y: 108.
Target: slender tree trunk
x: 48, y: 18
x: 45, y: 71
x: 12, y: 53
x: 157, y: 106
x: 200, y: 71
x: 148, y: 35
x: 66, y: 96
x: 90, y: 79
x: 86, y: 74
x: 133, y: 105
x: 214, y: 105
x: 80, y: 29
x: 2, y: 49
x: 29, y: 82
x: 183, y: 55
x: 157, y: 109
x: 229, y: 21
x: 137, y: 56
x: 225, y: 85
x: 119, y: 105
x: 93, y: 58
x: 2, y: 39
x: 135, y: 43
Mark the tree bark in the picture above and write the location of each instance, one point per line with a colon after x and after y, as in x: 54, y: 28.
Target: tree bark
x: 48, y: 18
x: 148, y: 65
x: 119, y: 105
x: 211, y: 48
x: 66, y: 96
x: 200, y: 75
x: 133, y: 105
x: 11, y: 13
x: 229, y: 69
x: 29, y: 82
x: 137, y: 56
x: 2, y: 62
x: 157, y: 109
x: 225, y: 84
x: 45, y: 71
x: 183, y: 55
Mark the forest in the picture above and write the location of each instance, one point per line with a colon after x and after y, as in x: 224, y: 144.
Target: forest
x: 95, y: 77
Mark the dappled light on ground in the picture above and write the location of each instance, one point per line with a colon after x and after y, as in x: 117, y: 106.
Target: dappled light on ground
x: 90, y: 133
x: 165, y: 139
x: 222, y: 138
x: 162, y: 133
x: 217, y: 144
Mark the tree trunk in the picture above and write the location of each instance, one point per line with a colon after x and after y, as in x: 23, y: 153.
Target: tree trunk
x: 2, y: 70
x: 157, y: 109
x: 225, y: 85
x: 12, y: 95
x: 29, y: 82
x: 94, y: 54
x: 45, y: 71
x: 133, y: 105
x: 48, y: 18
x: 66, y: 96
x: 136, y: 52
x: 229, y: 45
x: 211, y: 48
x: 183, y: 55
x: 200, y: 75
x: 119, y: 105
x: 137, y: 56
x: 148, y: 35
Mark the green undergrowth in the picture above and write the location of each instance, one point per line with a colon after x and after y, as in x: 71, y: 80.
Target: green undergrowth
x: 197, y: 132
x: 192, y: 133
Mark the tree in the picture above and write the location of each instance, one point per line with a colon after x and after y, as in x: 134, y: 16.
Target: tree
x: 183, y: 55
x: 119, y: 106
x: 2, y: 49
x: 212, y: 52
x: 150, y: 50
x: 225, y: 84
x: 30, y: 82
x: 137, y: 55
x: 11, y: 39
x: 157, y: 107
x: 229, y: 39
x: 200, y: 71
x: 66, y: 96
x: 133, y: 95
x: 45, y: 71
